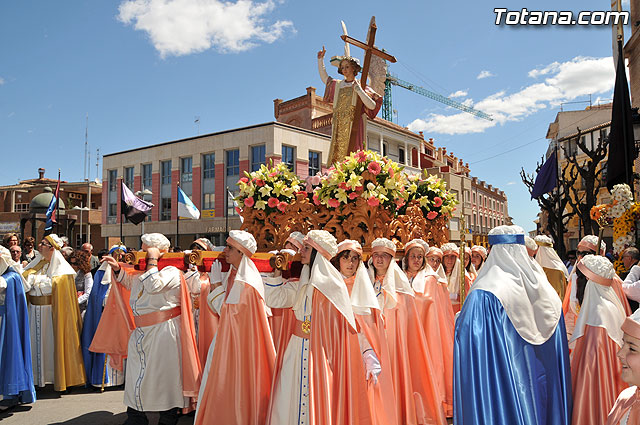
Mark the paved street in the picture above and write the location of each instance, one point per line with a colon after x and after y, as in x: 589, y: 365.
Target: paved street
x: 81, y: 407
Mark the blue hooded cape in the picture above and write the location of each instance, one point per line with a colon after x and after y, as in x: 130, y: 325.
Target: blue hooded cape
x: 499, y: 378
x: 94, y: 362
x: 16, y: 375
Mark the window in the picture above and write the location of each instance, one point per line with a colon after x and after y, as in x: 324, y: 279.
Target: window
x: 385, y: 148
x: 257, y: 157
x: 113, y: 180
x: 113, y: 210
x: 186, y: 170
x: 289, y: 157
x: 209, y: 165
x: 165, y: 172
x: 401, y: 155
x: 147, y: 179
x: 233, y: 174
x: 604, y: 133
x: 572, y: 148
x: 128, y: 177
x: 233, y: 162
x: 474, y: 198
x: 314, y: 163
x: 165, y: 209
x: 21, y: 208
x: 208, y: 181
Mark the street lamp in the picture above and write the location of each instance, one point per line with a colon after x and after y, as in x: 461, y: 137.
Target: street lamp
x: 141, y: 194
x: 81, y: 208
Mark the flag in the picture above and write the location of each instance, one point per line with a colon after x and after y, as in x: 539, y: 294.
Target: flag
x: 53, y: 207
x: 547, y: 177
x: 622, y: 150
x: 134, y: 208
x: 186, y: 208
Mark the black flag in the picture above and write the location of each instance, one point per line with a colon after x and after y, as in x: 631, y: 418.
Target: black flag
x: 622, y: 150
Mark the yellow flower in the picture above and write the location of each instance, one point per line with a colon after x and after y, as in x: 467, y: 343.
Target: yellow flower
x: 265, y: 191
x: 260, y: 205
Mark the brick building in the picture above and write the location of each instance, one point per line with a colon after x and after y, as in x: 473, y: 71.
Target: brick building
x: 23, y: 207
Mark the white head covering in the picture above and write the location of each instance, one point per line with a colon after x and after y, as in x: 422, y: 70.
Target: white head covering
x: 247, y: 271
x: 453, y: 280
x: 204, y: 243
x: 5, y: 259
x: 296, y: 239
x: 363, y: 297
x: 58, y: 266
x: 415, y: 243
x: 530, y: 244
x: 547, y: 256
x: 480, y: 250
x: 591, y: 242
x: 532, y: 305
x: 600, y: 307
x: 326, y: 278
x: 156, y: 240
x: 395, y: 280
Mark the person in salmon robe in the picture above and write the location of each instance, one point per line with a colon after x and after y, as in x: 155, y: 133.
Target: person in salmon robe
x: 205, y: 320
x: 451, y: 265
x: 511, y: 360
x: 418, y: 398
x: 595, y: 368
x: 319, y: 371
x: 278, y: 317
x: 436, y: 315
x: 237, y: 377
x: 162, y: 369
x: 371, y: 335
x: 626, y: 410
x: 570, y: 304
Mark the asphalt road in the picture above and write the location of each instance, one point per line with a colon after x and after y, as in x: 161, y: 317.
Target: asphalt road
x: 81, y: 407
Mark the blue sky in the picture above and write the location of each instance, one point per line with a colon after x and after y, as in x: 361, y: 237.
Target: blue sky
x: 143, y: 70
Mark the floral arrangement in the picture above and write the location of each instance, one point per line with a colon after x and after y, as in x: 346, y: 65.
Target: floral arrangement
x: 623, y: 214
x: 270, y: 188
x: 432, y: 195
x: 363, y: 174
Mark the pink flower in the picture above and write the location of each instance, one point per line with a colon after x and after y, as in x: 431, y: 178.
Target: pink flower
x: 248, y: 202
x: 314, y: 180
x: 259, y: 182
x: 316, y: 200
x: 400, y: 202
x: 373, y: 202
x: 431, y: 215
x: 244, y: 180
x: 239, y: 211
x: 273, y: 174
x: 374, y: 168
x: 359, y: 188
x: 391, y: 172
x: 282, y: 206
x: 353, y: 195
x: 343, y: 185
x: 361, y: 156
x: 437, y: 201
x: 272, y: 202
x: 333, y: 203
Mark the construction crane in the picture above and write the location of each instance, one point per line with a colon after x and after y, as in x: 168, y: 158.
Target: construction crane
x: 387, y: 108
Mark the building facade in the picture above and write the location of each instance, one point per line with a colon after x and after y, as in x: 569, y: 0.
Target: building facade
x: 23, y: 207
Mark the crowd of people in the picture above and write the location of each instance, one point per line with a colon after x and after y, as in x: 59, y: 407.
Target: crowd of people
x: 508, y: 334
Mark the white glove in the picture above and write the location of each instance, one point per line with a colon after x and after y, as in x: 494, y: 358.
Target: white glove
x: 372, y: 365
x: 215, y: 275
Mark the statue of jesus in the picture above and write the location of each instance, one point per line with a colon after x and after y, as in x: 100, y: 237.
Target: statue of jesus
x: 344, y: 95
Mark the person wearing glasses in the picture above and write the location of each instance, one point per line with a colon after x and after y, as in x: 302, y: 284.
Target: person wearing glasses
x: 28, y: 250
x: 51, y: 292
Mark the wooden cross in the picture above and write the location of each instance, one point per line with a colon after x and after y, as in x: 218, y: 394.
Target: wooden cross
x: 369, y: 50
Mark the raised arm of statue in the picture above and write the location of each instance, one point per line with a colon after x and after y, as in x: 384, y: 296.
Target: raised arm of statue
x: 321, y: 69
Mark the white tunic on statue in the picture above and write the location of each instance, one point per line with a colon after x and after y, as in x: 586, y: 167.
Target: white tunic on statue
x: 41, y: 329
x: 290, y: 396
x: 153, y: 380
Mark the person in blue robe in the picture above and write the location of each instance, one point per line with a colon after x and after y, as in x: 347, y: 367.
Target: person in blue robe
x: 94, y: 363
x: 511, y: 359
x: 16, y: 374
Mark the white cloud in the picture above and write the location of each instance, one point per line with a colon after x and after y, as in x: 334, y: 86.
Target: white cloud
x: 511, y: 183
x: 564, y: 82
x: 485, y: 74
x: 182, y: 27
x: 459, y: 93
x: 1, y: 81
